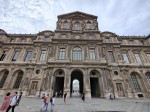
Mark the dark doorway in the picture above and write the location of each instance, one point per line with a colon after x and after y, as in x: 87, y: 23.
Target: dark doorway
x: 94, y: 87
x: 59, y: 86
x: 78, y: 76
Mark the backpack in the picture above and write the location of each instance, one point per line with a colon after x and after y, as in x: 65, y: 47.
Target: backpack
x: 51, y: 99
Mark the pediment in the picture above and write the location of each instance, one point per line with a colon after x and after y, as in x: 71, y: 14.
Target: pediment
x: 108, y: 34
x: 77, y: 15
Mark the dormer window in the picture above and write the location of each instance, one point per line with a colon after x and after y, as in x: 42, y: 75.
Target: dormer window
x: 66, y: 25
x: 89, y: 25
x: 77, y: 26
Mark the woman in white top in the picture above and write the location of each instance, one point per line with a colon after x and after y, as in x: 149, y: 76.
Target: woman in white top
x: 13, y: 102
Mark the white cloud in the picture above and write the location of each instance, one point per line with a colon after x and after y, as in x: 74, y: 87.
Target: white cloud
x: 31, y: 16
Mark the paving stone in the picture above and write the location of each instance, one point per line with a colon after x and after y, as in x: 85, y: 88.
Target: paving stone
x: 90, y: 105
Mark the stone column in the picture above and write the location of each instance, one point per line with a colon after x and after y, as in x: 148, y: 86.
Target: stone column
x: 67, y: 80
x: 9, y: 55
x: 86, y: 84
x: 22, y: 54
x: 131, y: 56
x: 143, y: 57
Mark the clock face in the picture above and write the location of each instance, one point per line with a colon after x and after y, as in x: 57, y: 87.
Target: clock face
x: 77, y: 36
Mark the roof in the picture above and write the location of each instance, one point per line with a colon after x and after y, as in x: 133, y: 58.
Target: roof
x: 68, y: 15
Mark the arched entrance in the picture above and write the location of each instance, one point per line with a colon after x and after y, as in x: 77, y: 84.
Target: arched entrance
x: 76, y: 75
x: 94, y: 83
x: 59, y: 83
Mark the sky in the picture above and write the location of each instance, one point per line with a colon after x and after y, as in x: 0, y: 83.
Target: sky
x: 123, y: 17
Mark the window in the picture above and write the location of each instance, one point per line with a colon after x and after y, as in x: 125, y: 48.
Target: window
x: 77, y: 26
x: 111, y: 56
x: 62, y: 53
x: 3, y: 79
x: 43, y: 55
x: 63, y: 36
x: 66, y: 25
x: 138, y: 59
x: 16, y: 55
x: 119, y: 87
x: 3, y: 54
x: 46, y: 38
x: 89, y: 25
x: 148, y: 77
x: 90, y: 36
x: 125, y: 58
x: 18, y: 80
x: 92, y: 54
x: 28, y: 55
x: 148, y: 55
x: 77, y: 53
x: 135, y: 82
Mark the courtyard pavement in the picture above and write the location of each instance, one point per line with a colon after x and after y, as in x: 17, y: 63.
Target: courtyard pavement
x: 90, y: 105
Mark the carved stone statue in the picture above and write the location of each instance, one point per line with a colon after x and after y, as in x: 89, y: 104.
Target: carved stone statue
x: 58, y: 25
x: 95, y: 24
x: 35, y: 53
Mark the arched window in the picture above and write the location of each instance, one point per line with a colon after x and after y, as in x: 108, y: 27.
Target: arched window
x: 135, y: 83
x: 77, y: 26
x: 18, y: 80
x: 89, y: 25
x: 66, y: 25
x: 77, y: 53
x: 3, y: 79
x: 148, y: 77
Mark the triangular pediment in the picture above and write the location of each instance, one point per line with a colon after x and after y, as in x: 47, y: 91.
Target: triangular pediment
x: 77, y: 15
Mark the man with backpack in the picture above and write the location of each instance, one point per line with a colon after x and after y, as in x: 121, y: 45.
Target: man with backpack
x: 52, y: 99
x: 45, y: 105
x: 13, y: 102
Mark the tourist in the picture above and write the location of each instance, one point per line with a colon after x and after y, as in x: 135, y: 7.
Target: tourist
x: 83, y: 97
x: 45, y: 103
x: 18, y: 101
x: 65, y: 95
x: 13, y: 102
x: 52, y: 100
x: 6, y: 102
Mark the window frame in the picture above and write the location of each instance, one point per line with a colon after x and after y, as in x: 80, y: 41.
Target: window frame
x: 43, y: 55
x: 111, y: 59
x: 77, y: 54
x: 92, y: 54
x: 15, y: 58
x: 27, y: 59
x: 62, y: 53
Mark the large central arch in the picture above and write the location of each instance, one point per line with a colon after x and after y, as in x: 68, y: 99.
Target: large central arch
x: 78, y: 75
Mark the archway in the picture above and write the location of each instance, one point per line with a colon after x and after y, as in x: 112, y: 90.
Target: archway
x: 94, y: 83
x: 76, y: 75
x: 59, y: 83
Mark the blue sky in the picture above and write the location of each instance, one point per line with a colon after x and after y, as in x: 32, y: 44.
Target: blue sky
x: 123, y: 17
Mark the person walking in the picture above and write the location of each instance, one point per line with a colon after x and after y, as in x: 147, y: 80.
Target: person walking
x: 18, y: 101
x: 52, y: 101
x: 65, y: 95
x: 83, y: 97
x: 45, y: 105
x: 13, y: 102
x: 6, y: 102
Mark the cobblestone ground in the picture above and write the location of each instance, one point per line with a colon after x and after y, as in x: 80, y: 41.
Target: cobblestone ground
x: 90, y: 105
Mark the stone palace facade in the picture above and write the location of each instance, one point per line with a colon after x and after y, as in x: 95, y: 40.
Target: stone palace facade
x: 47, y: 62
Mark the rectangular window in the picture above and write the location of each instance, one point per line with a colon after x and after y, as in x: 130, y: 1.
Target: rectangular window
x: 92, y: 54
x: 28, y: 55
x: 125, y: 58
x: 138, y: 59
x: 16, y: 55
x: 77, y: 26
x: 148, y: 55
x: 3, y: 55
x: 66, y: 25
x: 43, y: 55
x: 62, y: 53
x: 111, y: 56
